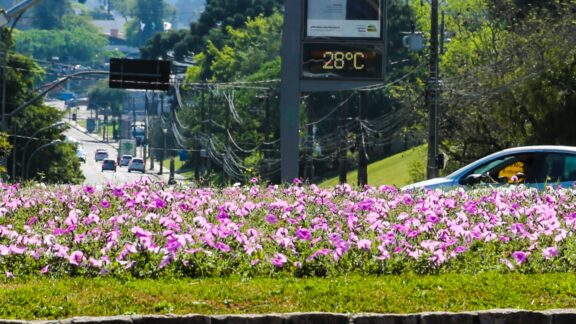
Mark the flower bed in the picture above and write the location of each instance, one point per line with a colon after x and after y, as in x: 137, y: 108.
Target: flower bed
x: 145, y: 230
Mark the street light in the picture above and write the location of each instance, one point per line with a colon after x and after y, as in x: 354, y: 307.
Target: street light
x: 38, y: 149
x: 164, y: 131
x: 57, y: 124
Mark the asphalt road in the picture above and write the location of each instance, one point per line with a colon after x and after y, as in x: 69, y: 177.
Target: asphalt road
x: 90, y: 142
x: 93, y: 170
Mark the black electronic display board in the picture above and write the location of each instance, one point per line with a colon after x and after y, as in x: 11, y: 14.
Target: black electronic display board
x: 341, y: 61
x: 139, y: 74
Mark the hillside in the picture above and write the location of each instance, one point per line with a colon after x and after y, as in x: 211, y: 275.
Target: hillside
x: 394, y: 170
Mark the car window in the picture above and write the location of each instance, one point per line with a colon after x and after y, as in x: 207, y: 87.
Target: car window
x: 515, y: 168
x: 558, y: 168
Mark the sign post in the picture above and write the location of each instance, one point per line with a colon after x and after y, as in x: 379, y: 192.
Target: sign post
x: 337, y: 45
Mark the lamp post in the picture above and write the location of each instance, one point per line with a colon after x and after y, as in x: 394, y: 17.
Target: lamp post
x: 164, y: 131
x: 38, y: 149
x: 57, y: 124
x: 171, y: 179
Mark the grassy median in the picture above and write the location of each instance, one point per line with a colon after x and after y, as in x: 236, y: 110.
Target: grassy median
x: 39, y: 298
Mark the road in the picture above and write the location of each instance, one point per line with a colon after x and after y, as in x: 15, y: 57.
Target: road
x: 92, y: 169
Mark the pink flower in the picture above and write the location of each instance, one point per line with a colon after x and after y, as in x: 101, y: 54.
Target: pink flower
x: 520, y: 257
x: 159, y: 203
x: 271, y: 219
x: 303, y: 234
x: 165, y: 261
x: 550, y: 252
x: 279, y: 260
x: 45, y: 269
x: 89, y: 189
x: 222, y: 247
x: 364, y: 244
x: 117, y: 192
x: 105, y: 203
x: 76, y: 258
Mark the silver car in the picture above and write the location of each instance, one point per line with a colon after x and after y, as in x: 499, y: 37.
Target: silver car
x: 136, y: 164
x: 533, y: 166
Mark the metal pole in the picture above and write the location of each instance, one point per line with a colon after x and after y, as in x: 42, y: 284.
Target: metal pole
x: 432, y: 95
x: 267, y: 147
x: 14, y: 160
x: 163, y: 152
x: 197, y: 144
x: 290, y: 90
x: 309, y: 166
x: 4, y: 76
x: 226, y: 145
x: 208, y: 147
x: 172, y: 167
x: 362, y: 156
x: 342, y: 150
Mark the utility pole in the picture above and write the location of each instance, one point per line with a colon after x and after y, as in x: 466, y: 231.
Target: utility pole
x: 163, y: 152
x: 432, y: 95
x: 226, y: 144
x: 145, y: 127
x: 361, y: 141
x: 309, y: 166
x: 208, y: 159
x: 197, y: 156
x: 342, y: 149
x: 267, y: 147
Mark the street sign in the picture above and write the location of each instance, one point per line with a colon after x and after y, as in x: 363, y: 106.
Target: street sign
x: 139, y: 74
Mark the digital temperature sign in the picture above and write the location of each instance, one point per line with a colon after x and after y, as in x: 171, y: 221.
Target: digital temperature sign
x: 341, y: 61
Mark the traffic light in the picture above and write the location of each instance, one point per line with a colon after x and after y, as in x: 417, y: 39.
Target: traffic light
x: 74, y: 117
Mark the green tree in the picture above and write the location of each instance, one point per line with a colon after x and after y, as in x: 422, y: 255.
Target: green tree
x: 55, y: 164
x: 73, y: 45
x: 510, y: 82
x: 103, y: 96
x: 217, y: 15
x: 48, y: 14
x: 148, y: 20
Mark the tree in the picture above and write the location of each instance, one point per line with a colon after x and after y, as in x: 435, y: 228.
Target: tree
x: 217, y: 14
x: 73, y: 45
x: 57, y: 163
x: 103, y: 96
x: 510, y: 83
x: 148, y: 20
x: 48, y: 14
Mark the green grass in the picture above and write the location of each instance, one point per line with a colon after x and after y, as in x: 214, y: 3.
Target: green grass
x: 394, y: 170
x: 42, y: 298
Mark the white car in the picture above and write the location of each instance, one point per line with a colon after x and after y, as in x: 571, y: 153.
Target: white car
x: 81, y: 154
x: 533, y: 166
x: 136, y: 164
